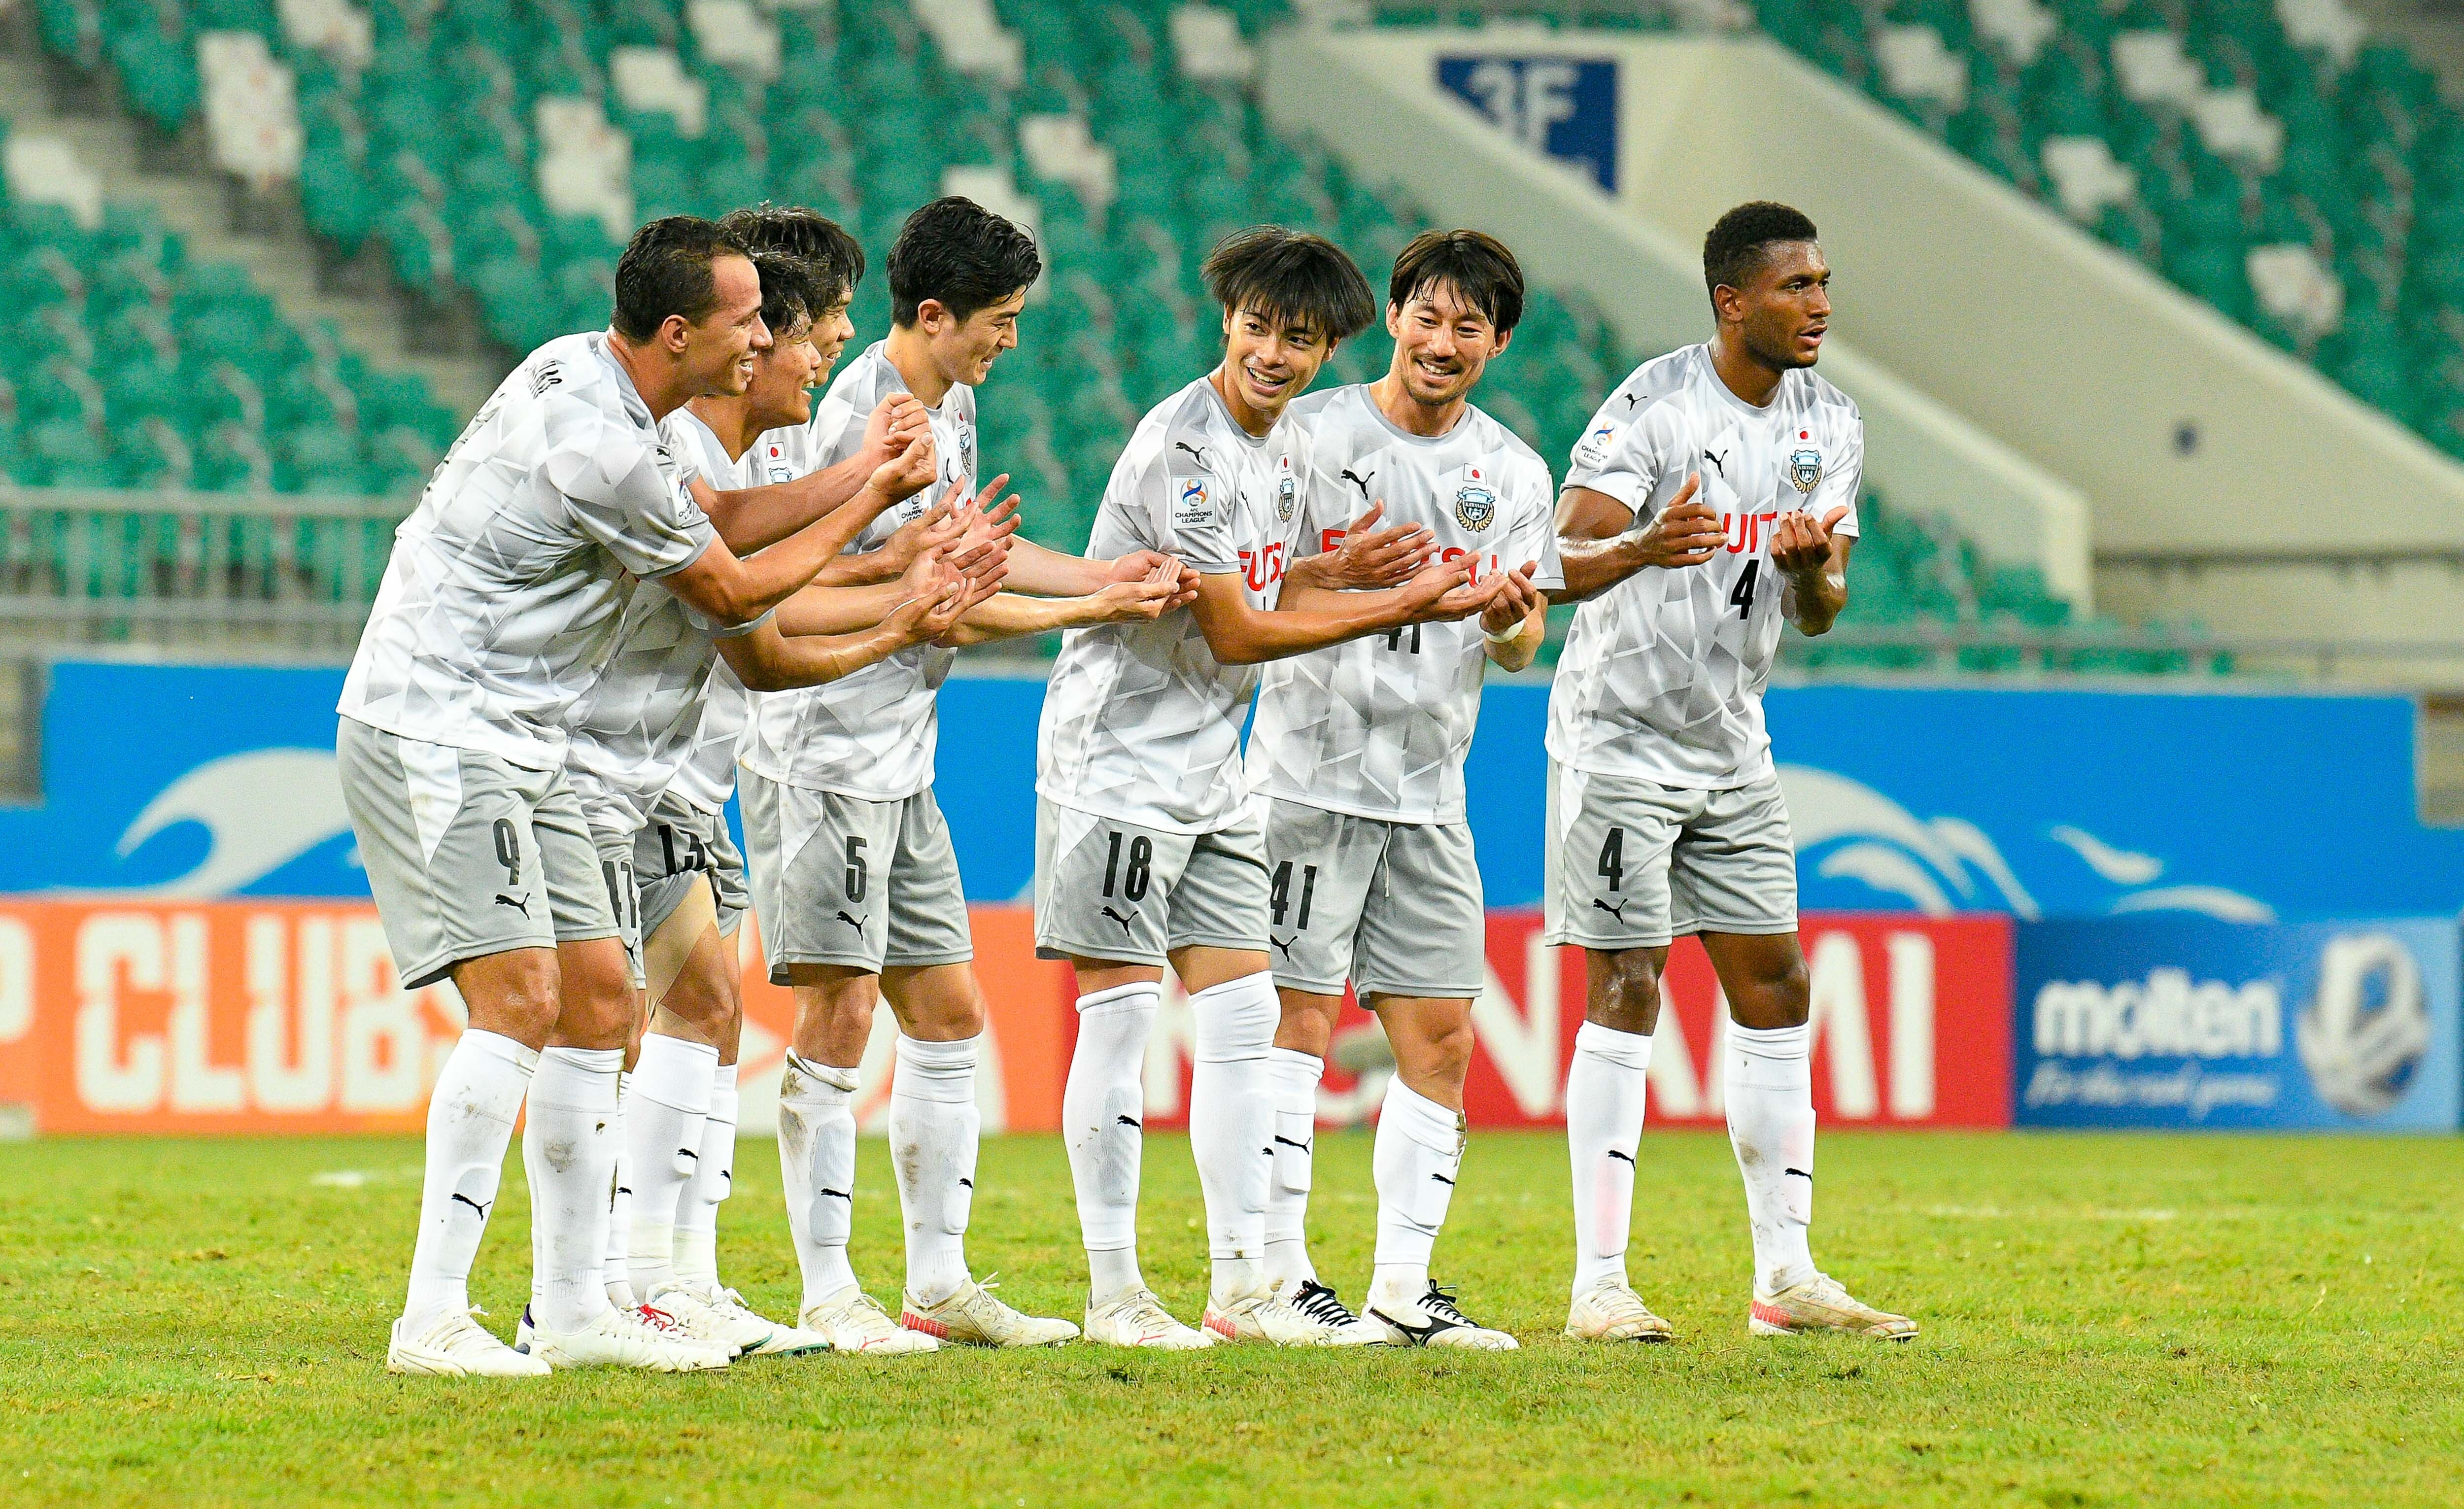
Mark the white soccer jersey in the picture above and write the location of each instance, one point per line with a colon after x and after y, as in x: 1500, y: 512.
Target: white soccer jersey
x: 1662, y: 674
x: 1378, y: 727
x: 508, y: 581
x: 1141, y: 722
x: 659, y: 700
x: 869, y: 735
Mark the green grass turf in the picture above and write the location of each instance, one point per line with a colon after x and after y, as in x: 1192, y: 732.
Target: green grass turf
x: 2120, y: 1320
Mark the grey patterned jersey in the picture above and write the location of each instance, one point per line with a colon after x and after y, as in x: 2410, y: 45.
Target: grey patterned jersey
x: 1378, y: 727
x: 869, y: 735
x: 1662, y: 674
x: 509, y: 579
x: 1141, y: 722
x: 632, y: 733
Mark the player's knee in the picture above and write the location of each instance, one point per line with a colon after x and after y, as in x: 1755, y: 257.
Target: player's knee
x: 1626, y: 990
x: 520, y: 995
x: 598, y: 1003
x: 1445, y: 1051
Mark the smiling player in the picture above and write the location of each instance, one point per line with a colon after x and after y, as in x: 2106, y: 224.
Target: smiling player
x: 1357, y: 760
x: 1713, y: 497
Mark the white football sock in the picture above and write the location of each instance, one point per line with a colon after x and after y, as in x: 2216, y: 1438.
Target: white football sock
x: 1418, y: 1156
x: 817, y: 1161
x: 620, y: 1211
x: 1232, y: 1125
x: 569, y: 1144
x: 1769, y: 1088
x: 664, y: 1108
x: 470, y: 1119
x: 1604, y: 1096
x: 1295, y: 1075
x: 933, y: 1128
x: 1103, y: 1108
x: 714, y: 1180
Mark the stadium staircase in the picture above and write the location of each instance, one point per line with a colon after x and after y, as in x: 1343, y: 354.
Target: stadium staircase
x: 492, y: 154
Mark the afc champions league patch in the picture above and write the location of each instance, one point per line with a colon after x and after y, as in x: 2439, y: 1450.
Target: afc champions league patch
x: 1805, y: 467
x: 1475, y: 503
x: 1189, y: 506
x: 1287, y: 492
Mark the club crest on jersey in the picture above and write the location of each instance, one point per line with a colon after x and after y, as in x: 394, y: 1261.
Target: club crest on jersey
x: 1475, y: 503
x: 1805, y: 469
x: 1286, y: 494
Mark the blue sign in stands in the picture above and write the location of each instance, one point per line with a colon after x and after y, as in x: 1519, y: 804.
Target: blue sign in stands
x: 1560, y: 107
x: 180, y: 780
x: 2186, y: 1022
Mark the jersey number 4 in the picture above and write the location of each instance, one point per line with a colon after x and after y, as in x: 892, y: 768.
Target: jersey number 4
x: 1741, y: 596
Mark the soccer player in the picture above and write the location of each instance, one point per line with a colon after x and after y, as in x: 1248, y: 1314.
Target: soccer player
x: 1715, y: 495
x: 854, y: 879
x: 1356, y: 762
x: 630, y: 737
x: 505, y: 585
x: 1147, y: 851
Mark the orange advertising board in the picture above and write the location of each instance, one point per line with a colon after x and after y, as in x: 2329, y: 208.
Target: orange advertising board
x: 287, y: 1016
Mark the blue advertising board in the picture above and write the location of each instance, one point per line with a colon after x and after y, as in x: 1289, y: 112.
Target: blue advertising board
x: 1560, y: 107
x: 174, y: 780
x: 2186, y: 1022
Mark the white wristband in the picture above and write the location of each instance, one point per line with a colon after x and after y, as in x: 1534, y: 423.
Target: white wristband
x: 1508, y: 638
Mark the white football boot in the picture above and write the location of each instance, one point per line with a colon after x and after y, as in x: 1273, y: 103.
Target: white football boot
x: 854, y: 1322
x: 783, y: 1341
x: 641, y: 1338
x: 1820, y: 1304
x: 1613, y: 1312
x: 1261, y: 1315
x: 454, y: 1346
x: 720, y: 1318
x: 971, y: 1317
x: 1324, y: 1308
x: 1139, y: 1319
x: 1432, y: 1320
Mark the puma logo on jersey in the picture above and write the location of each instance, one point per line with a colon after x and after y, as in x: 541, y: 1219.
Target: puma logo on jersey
x: 1284, y: 944
x: 1358, y: 481
x: 1194, y: 454
x: 857, y: 923
x: 1719, y: 463
x: 1618, y: 911
x: 521, y: 905
x: 1123, y: 921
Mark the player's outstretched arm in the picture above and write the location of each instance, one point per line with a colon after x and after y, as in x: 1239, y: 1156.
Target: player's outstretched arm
x: 824, y: 609
x: 755, y: 518
x: 1600, y: 547
x: 964, y: 530
x: 735, y: 591
x: 1367, y: 557
x: 766, y: 659
x: 1010, y: 615
x: 1813, y: 563
x: 1307, y: 617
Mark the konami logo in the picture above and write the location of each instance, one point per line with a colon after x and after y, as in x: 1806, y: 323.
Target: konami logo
x: 1911, y: 1027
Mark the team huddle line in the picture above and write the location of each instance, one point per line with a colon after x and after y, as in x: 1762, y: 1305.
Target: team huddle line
x: 655, y: 572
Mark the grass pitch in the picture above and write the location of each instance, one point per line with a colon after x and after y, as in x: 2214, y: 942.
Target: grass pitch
x: 2107, y: 1319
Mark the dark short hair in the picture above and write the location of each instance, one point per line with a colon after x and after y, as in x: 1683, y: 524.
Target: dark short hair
x: 1735, y: 246
x: 790, y: 289
x: 1290, y: 276
x: 835, y: 257
x: 666, y: 270
x: 1476, y: 264
x: 961, y: 256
